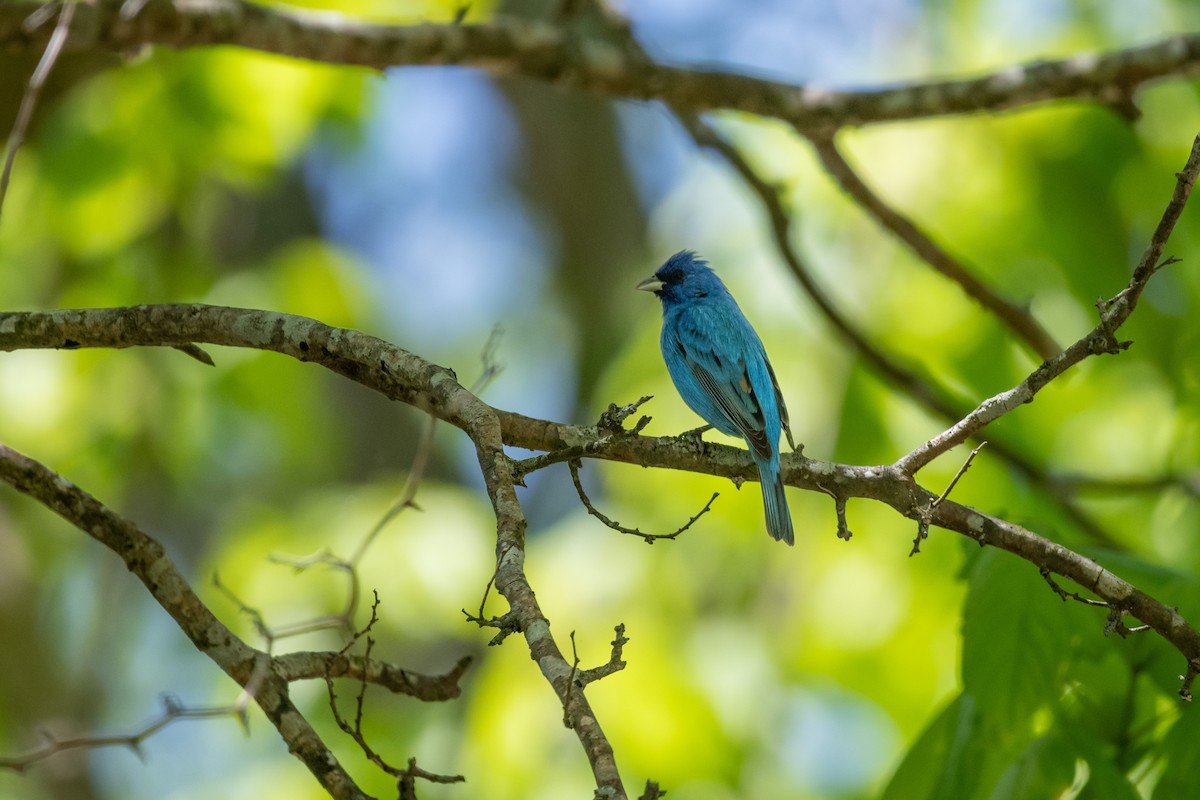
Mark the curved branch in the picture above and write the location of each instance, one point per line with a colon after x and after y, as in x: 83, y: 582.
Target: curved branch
x: 1018, y: 320
x: 402, y: 376
x: 172, y: 711
x: 1101, y: 339
x: 146, y: 559
x: 396, y: 373
x: 887, y: 484
x: 301, y: 666
x: 33, y: 89
x: 923, y: 391
x: 613, y: 65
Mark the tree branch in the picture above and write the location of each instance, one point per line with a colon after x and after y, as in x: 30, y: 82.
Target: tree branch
x: 384, y: 367
x: 569, y: 54
x: 886, y: 484
x: 315, y: 665
x: 1101, y: 339
x: 1017, y: 319
x: 33, y: 89
x: 147, y: 560
x: 172, y: 710
x: 403, y: 376
x: 923, y: 391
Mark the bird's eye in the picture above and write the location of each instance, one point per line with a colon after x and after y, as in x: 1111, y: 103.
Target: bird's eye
x: 674, y: 276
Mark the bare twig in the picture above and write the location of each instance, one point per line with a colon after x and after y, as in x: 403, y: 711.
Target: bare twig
x: 172, y: 710
x: 491, y: 368
x: 408, y: 778
x: 649, y: 538
x: 1017, y: 319
x: 300, y: 666
x: 1188, y: 678
x: 1099, y: 340
x: 147, y: 560
x: 581, y: 678
x: 271, y: 634
x: 923, y: 521
x: 613, y: 419
x: 33, y: 90
x: 615, y: 661
x: 611, y: 423
x: 405, y: 777
x: 652, y: 792
x: 521, y: 469
x: 505, y: 624
x: 1116, y: 611
x: 195, y: 352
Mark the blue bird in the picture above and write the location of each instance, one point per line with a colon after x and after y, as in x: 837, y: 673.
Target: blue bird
x: 720, y: 368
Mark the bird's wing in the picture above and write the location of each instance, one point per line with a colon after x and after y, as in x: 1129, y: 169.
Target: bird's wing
x: 783, y: 414
x: 726, y: 381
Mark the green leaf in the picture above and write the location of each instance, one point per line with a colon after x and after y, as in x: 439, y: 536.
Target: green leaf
x: 947, y: 759
x: 1181, y: 750
x: 1045, y: 769
x: 1016, y: 638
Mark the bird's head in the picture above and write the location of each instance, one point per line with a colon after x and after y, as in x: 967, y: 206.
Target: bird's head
x: 684, y: 276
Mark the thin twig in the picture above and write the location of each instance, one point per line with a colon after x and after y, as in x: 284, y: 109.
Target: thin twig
x: 613, y: 418
x: 610, y: 424
x: 652, y: 791
x: 1116, y: 611
x: 566, y: 704
x: 615, y: 662
x: 580, y: 678
x: 649, y: 538
x: 172, y: 711
x: 506, y: 623
x: 33, y: 90
x: 405, y: 777
x: 524, y: 467
x: 197, y: 353
x: 927, y: 516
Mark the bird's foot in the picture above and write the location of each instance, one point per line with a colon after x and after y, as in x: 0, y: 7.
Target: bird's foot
x: 694, y: 437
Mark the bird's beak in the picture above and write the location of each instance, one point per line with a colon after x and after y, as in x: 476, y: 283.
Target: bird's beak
x: 651, y: 284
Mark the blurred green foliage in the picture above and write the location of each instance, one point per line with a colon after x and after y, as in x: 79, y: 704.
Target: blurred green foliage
x: 834, y: 670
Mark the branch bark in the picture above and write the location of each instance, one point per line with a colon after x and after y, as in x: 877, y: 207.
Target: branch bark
x: 1017, y: 319
x: 571, y: 55
x: 922, y: 389
x: 145, y: 558
x: 1101, y: 339
x: 403, y: 376
x: 377, y: 364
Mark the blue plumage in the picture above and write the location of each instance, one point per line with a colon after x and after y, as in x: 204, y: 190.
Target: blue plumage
x: 721, y: 370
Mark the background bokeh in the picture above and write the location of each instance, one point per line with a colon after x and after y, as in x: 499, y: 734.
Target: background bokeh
x: 428, y: 205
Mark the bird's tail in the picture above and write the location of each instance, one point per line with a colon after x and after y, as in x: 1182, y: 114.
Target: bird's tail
x: 779, y: 519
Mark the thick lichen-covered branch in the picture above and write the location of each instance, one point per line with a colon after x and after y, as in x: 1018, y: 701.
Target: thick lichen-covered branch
x: 573, y: 55
x: 372, y: 362
x: 404, y: 376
